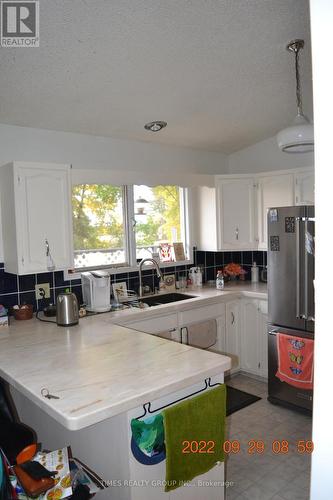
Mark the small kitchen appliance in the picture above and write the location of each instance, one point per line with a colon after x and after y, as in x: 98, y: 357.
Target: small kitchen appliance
x: 67, y: 309
x: 96, y: 291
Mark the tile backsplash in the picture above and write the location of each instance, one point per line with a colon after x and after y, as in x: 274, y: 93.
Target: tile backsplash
x: 211, y: 262
x: 21, y: 289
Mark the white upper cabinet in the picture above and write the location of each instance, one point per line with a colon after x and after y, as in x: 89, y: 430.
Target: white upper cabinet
x: 36, y: 210
x: 273, y: 191
x: 304, y: 187
x: 236, y: 203
x: 225, y: 215
x: 233, y: 214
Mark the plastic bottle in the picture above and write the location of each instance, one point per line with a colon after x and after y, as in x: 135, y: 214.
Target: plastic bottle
x: 191, y: 277
x: 198, y: 277
x: 219, y: 281
x: 254, y: 273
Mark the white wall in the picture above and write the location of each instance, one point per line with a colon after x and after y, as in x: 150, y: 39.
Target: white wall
x: 86, y: 151
x: 265, y: 156
x: 321, y: 35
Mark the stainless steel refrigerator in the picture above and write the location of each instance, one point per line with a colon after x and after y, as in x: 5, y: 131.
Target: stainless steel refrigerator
x: 290, y: 259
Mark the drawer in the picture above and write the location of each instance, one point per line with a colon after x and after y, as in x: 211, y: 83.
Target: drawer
x: 201, y: 314
x: 155, y: 325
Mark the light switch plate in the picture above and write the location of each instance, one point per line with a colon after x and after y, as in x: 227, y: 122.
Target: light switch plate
x: 42, y: 291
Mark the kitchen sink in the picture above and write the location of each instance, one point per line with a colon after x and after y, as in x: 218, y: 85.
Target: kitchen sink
x: 166, y: 298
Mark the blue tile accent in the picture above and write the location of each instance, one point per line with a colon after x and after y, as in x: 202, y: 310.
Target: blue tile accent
x: 9, y: 300
x: 27, y: 282
x: 78, y: 292
x: 28, y: 298
x: 59, y: 279
x: 45, y: 278
x: 8, y: 282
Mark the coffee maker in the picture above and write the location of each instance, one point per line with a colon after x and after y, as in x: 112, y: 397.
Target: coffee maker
x: 96, y: 291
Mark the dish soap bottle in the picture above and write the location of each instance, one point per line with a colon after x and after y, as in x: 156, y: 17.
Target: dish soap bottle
x: 254, y: 273
x: 219, y: 281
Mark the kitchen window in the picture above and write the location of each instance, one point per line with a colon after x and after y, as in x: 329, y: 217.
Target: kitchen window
x: 99, y: 234
x: 117, y: 226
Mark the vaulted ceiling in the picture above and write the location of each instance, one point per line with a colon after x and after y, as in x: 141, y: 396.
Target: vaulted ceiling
x: 216, y: 70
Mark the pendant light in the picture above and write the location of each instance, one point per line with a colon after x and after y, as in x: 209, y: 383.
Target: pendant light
x: 298, y: 138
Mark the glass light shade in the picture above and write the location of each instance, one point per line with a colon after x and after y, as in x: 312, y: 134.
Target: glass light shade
x: 298, y: 138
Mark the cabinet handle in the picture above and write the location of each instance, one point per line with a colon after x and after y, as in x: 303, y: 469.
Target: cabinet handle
x: 184, y: 329
x: 237, y: 233
x: 232, y: 318
x: 49, y: 261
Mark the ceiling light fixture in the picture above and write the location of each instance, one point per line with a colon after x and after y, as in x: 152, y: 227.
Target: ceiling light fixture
x: 298, y: 138
x: 155, y: 126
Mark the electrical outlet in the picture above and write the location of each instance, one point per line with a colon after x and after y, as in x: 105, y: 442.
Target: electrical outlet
x: 42, y: 291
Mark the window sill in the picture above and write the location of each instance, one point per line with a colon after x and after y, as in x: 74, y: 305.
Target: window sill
x: 128, y: 269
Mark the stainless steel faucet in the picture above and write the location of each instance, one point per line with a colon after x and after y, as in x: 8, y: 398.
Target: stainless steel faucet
x: 158, y: 271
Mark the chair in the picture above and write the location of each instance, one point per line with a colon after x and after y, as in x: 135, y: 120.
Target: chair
x: 14, y: 436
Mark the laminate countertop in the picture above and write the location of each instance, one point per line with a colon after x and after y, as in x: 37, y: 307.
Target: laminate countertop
x: 97, y: 369
x: 203, y: 296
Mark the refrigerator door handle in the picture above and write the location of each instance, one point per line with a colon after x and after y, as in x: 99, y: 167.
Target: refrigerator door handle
x: 306, y: 281
x: 306, y: 274
x: 298, y: 270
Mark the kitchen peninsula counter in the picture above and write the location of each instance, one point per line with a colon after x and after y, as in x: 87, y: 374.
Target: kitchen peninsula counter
x: 97, y: 369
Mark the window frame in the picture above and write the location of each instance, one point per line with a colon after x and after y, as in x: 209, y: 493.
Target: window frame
x: 131, y: 264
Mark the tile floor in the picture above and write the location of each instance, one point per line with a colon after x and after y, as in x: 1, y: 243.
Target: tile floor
x: 266, y: 476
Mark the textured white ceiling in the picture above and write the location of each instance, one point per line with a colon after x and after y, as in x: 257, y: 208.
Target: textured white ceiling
x: 215, y: 70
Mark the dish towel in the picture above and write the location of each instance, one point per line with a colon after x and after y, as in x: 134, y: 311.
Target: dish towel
x: 202, y: 334
x: 295, y: 361
x: 197, y: 421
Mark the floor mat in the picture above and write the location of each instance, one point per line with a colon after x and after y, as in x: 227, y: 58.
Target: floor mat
x: 236, y: 399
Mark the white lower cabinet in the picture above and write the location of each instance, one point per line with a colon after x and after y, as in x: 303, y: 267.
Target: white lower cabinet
x: 200, y: 314
x: 232, y: 333
x: 241, y: 331
x: 263, y: 320
x: 165, y: 326
x: 254, y: 337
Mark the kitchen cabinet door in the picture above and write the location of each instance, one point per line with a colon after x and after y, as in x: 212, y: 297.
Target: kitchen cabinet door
x: 200, y: 314
x: 36, y: 207
x: 236, y: 214
x: 254, y: 337
x: 304, y: 188
x: 250, y: 344
x: 273, y: 191
x: 263, y: 340
x: 165, y: 326
x: 232, y: 334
